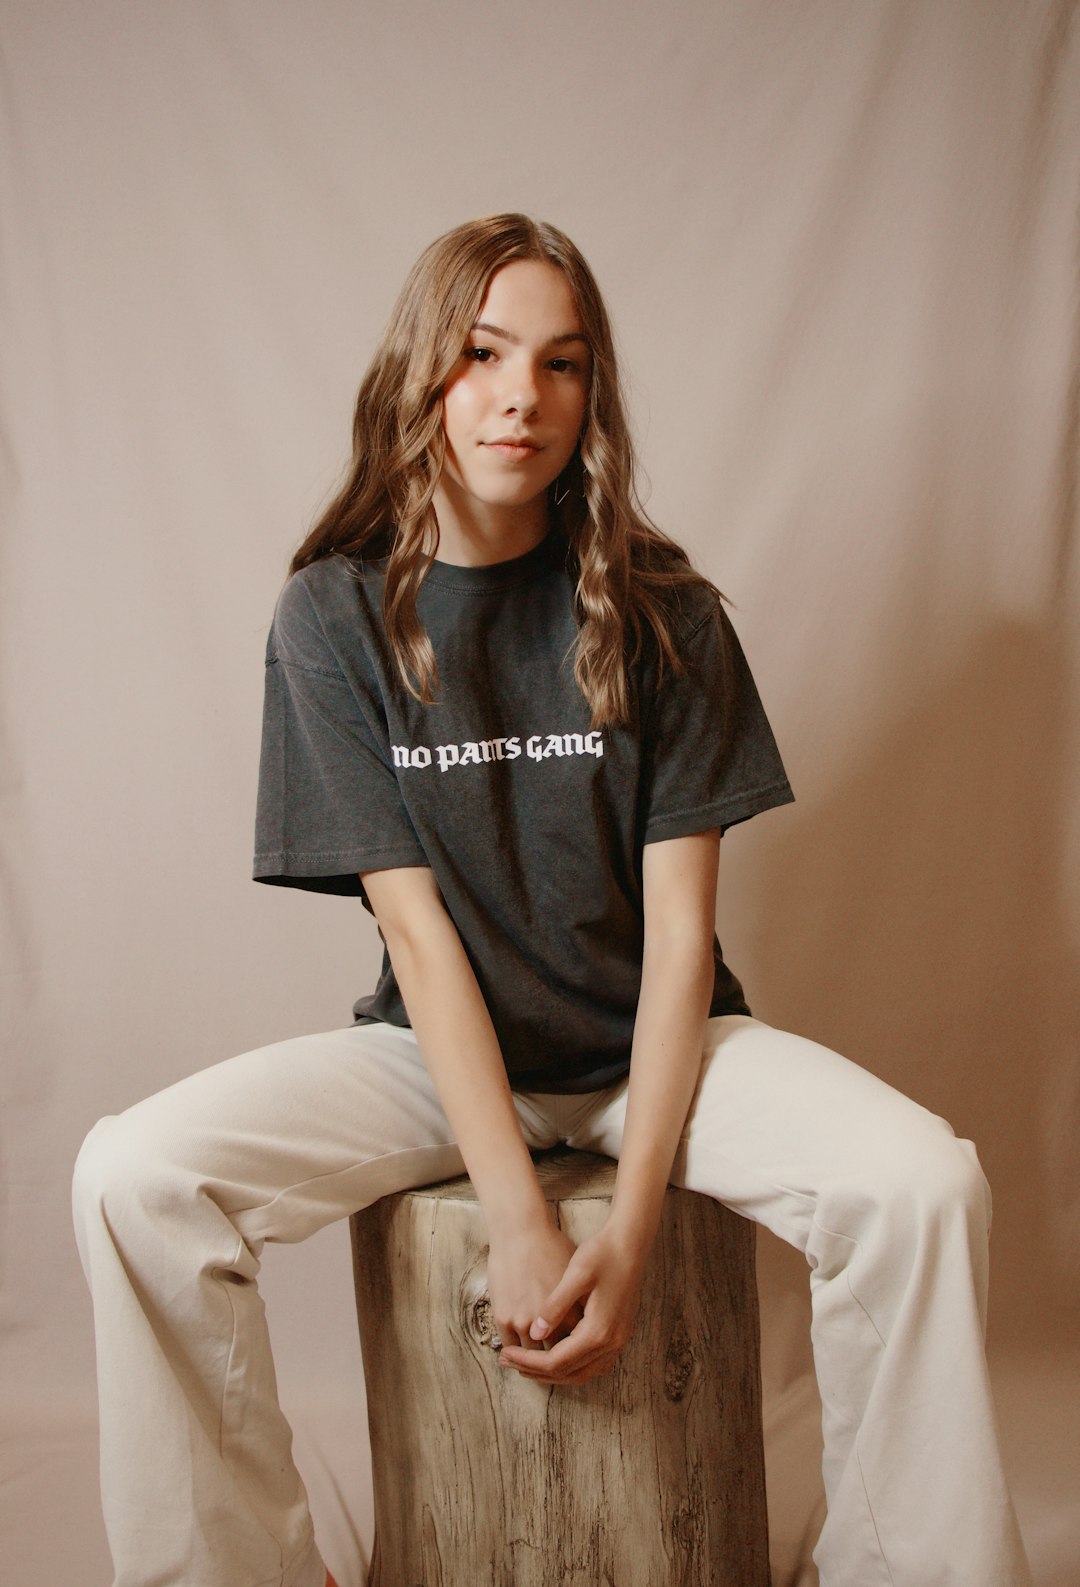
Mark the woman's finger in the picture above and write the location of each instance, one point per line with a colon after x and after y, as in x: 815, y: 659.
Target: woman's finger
x: 570, y: 1355
x: 593, y: 1367
x: 565, y: 1328
x: 571, y: 1288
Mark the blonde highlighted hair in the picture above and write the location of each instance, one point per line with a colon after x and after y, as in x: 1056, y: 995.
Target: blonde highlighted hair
x: 624, y: 565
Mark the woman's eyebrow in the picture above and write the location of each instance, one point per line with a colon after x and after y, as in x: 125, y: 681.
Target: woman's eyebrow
x: 508, y: 336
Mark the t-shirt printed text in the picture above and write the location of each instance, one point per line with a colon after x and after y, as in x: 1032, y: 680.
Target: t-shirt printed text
x: 474, y: 752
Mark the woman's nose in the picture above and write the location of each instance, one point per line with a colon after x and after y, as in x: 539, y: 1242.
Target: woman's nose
x: 522, y: 391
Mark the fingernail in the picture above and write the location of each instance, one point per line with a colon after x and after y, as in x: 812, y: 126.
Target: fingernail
x: 540, y: 1329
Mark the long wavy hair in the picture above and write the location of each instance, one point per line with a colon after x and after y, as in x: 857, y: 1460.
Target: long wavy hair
x: 626, y: 568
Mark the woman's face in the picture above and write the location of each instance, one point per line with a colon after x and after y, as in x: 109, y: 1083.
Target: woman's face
x: 514, y: 406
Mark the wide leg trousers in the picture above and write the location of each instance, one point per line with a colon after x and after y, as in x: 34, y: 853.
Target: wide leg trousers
x: 175, y: 1197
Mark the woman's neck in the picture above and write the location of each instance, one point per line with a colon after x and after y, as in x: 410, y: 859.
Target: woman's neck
x: 478, y: 535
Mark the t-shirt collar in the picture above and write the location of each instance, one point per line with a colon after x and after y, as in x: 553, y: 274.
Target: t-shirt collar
x: 500, y: 575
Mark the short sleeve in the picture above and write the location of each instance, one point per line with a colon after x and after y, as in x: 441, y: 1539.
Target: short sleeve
x: 710, y: 756
x: 328, y: 805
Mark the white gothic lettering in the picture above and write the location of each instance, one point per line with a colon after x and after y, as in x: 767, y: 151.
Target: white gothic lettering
x: 482, y: 751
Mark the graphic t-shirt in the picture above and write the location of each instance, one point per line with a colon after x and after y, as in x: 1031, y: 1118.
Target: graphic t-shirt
x: 532, y: 821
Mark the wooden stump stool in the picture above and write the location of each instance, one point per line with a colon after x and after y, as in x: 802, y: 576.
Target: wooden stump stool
x: 650, y: 1477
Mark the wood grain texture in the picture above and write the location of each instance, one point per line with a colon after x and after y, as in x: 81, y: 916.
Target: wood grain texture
x: 650, y: 1477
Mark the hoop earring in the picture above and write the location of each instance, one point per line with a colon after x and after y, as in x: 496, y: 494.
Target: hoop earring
x: 558, y: 500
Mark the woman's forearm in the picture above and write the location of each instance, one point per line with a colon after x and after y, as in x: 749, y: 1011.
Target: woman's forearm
x: 676, y: 989
x: 679, y: 877
x: 457, y: 1039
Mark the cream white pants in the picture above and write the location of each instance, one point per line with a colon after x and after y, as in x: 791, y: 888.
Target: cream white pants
x: 174, y: 1198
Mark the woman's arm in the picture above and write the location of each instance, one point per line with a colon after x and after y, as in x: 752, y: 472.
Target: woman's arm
x: 676, y: 987
x: 528, y: 1253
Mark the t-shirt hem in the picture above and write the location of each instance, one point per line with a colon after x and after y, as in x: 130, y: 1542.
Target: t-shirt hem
x: 284, y: 865
x: 723, y: 813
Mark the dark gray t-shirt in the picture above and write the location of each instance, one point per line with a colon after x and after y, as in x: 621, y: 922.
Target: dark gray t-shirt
x: 532, y: 822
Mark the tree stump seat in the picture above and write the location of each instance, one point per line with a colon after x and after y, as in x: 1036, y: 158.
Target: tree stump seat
x: 652, y: 1476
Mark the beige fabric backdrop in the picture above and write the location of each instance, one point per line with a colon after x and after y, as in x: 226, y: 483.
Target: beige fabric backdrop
x: 840, y: 241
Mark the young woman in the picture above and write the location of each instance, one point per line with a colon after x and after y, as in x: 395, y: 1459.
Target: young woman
x: 504, y: 711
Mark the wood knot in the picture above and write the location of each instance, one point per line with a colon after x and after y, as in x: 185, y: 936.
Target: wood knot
x: 685, y: 1531
x: 480, y: 1324
x: 475, y: 1306
x: 678, y: 1362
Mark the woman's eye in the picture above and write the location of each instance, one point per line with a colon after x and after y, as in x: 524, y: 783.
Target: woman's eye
x: 563, y: 366
x: 479, y: 355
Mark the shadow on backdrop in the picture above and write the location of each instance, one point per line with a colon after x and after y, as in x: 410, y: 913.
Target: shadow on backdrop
x: 925, y: 934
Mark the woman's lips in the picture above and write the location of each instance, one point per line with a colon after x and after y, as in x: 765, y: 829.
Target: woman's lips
x: 514, y: 451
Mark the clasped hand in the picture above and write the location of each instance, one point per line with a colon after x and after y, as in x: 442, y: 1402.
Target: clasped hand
x: 564, y: 1312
